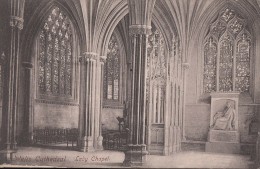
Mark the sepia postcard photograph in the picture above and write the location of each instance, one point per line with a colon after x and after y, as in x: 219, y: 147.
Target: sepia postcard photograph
x: 130, y: 84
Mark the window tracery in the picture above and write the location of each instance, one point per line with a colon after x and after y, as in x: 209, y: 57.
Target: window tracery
x: 55, y: 55
x: 112, y: 70
x: 227, y: 54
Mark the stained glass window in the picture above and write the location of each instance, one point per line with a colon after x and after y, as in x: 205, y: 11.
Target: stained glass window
x: 112, y: 70
x: 225, y: 64
x: 210, y: 60
x: 55, y: 55
x: 227, y: 54
x: 243, y: 63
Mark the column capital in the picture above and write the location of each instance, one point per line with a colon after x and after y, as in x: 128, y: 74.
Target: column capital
x: 103, y: 59
x: 139, y: 29
x: 174, y: 43
x: 88, y: 56
x: 16, y: 21
x: 2, y: 58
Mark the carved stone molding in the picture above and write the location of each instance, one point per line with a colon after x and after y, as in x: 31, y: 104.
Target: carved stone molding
x: 139, y: 29
x: 27, y: 65
x: 186, y: 65
x: 88, y: 56
x: 103, y: 59
x: 2, y: 58
x: 55, y: 102
x: 16, y: 21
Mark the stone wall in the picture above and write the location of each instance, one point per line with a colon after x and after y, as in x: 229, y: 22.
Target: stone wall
x: 109, y: 115
x: 55, y: 115
x: 197, y: 119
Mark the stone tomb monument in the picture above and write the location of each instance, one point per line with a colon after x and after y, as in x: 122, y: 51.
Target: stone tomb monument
x: 223, y: 136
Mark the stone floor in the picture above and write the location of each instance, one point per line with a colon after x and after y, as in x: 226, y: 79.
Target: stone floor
x: 35, y: 156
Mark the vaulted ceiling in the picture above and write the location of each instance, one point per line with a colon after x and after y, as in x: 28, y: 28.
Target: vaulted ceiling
x: 96, y: 19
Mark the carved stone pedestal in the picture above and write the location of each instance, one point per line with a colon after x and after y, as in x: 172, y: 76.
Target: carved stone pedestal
x: 223, y: 136
x: 136, y: 155
x: 220, y: 141
x: 100, y: 143
x: 222, y: 147
x: 87, y: 144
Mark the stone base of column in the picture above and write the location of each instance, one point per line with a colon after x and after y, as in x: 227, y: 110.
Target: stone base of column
x: 100, y: 143
x: 257, y: 152
x: 136, y: 155
x: 87, y: 144
x: 26, y: 140
x: 6, y: 156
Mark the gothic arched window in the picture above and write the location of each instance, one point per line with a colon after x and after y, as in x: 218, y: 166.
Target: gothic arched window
x: 112, y: 70
x: 227, y: 54
x: 55, y: 55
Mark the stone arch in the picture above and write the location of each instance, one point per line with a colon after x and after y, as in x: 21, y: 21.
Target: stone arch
x: 160, y: 19
x: 164, y: 23
x: 28, y: 40
x: 38, y: 17
x: 112, y: 21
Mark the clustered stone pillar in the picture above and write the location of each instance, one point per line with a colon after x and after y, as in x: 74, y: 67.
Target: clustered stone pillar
x: 90, y: 102
x: 186, y: 66
x: 27, y: 134
x: 10, y: 95
x: 99, y: 120
x: 136, y: 154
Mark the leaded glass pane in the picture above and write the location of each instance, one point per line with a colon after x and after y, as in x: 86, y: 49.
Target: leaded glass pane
x: 227, y: 15
x: 210, y: 59
x: 112, y: 70
x: 56, y: 67
x: 62, y: 67
x: 243, y: 65
x: 109, y: 90
x: 68, y: 80
x: 230, y: 33
x: 48, y: 65
x: 105, y: 84
x: 242, y: 84
x: 116, y: 89
x: 41, y: 63
x: 226, y: 64
x: 55, y: 55
x: 218, y: 29
x: 235, y: 26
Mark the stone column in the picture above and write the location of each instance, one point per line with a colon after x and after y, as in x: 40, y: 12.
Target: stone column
x: 10, y: 95
x: 257, y: 150
x: 91, y: 87
x: 27, y: 136
x: 99, y: 121
x: 185, y: 69
x: 136, y: 154
x: 87, y: 101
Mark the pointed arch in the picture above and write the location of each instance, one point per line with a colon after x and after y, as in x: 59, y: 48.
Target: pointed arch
x: 36, y: 17
x: 245, y: 18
